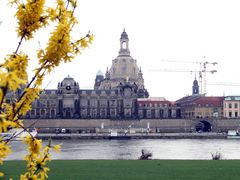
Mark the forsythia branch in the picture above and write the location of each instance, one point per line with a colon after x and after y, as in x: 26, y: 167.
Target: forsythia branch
x: 32, y: 15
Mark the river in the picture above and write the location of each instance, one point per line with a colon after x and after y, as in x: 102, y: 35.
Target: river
x: 131, y: 149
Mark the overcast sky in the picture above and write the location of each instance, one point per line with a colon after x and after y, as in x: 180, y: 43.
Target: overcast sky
x: 163, y: 35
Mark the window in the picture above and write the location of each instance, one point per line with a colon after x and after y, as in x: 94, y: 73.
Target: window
x: 230, y: 114
x: 124, y: 45
x: 235, y: 105
x: 236, y: 114
x: 43, y: 112
x: 33, y: 112
x: 52, y: 113
x: 230, y: 105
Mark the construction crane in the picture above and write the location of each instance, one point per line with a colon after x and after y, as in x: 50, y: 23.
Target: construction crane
x: 223, y: 84
x: 202, y: 72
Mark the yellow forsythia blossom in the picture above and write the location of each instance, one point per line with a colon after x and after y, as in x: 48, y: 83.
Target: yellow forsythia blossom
x: 37, y: 159
x: 57, y: 147
x: 31, y: 16
x: 4, y: 124
x: 4, y: 151
x: 34, y: 145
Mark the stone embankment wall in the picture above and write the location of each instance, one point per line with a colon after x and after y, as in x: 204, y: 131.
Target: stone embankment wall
x: 155, y: 125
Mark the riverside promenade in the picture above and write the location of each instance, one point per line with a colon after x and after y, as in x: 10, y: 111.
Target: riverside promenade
x: 210, y: 135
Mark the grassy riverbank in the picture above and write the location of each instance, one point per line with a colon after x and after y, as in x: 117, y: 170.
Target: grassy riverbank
x: 134, y: 169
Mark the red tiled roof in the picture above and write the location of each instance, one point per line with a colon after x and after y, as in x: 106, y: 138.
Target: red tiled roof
x: 211, y: 101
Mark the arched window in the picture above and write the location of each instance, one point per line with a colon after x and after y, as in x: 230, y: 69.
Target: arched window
x: 42, y: 112
x: 124, y: 45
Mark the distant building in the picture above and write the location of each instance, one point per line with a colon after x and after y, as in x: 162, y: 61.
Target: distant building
x: 200, y: 106
x: 121, y: 94
x: 114, y: 96
x: 156, y: 108
x: 231, y: 107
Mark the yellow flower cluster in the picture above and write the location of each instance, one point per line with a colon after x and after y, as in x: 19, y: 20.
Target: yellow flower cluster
x: 24, y: 104
x: 4, y: 151
x: 37, y: 158
x: 60, y: 47
x: 32, y: 15
x: 13, y: 72
x: 4, y: 124
x: 13, y: 75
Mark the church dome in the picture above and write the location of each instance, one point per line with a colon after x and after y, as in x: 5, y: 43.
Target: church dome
x: 68, y: 81
x: 124, y: 68
x: 99, y: 73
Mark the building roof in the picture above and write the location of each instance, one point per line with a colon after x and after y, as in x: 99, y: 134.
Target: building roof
x: 210, y: 101
x: 68, y: 81
x: 152, y: 99
x: 232, y: 98
x: 124, y: 35
x: 99, y: 73
x: 188, y: 99
x: 200, y: 100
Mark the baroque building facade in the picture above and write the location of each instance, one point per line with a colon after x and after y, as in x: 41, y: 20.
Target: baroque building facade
x: 113, y: 96
x: 121, y: 94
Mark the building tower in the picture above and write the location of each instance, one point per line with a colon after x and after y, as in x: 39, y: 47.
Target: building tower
x: 124, y: 48
x: 195, y: 87
x: 98, y: 79
x: 107, y: 75
x: 124, y: 70
x: 124, y: 67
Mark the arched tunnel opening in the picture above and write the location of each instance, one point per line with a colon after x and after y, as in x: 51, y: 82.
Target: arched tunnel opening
x: 203, y: 126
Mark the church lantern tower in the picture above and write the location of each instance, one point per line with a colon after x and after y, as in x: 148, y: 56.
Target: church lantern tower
x: 195, y: 87
x: 124, y: 46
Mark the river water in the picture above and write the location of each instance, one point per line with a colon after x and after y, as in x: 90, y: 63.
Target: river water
x: 131, y: 149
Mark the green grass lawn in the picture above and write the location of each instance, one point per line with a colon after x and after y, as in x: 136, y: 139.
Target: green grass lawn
x: 134, y: 169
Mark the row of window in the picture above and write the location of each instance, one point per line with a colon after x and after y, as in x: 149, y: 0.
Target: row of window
x: 43, y: 112
x: 153, y: 105
x: 231, y: 105
x: 231, y: 114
